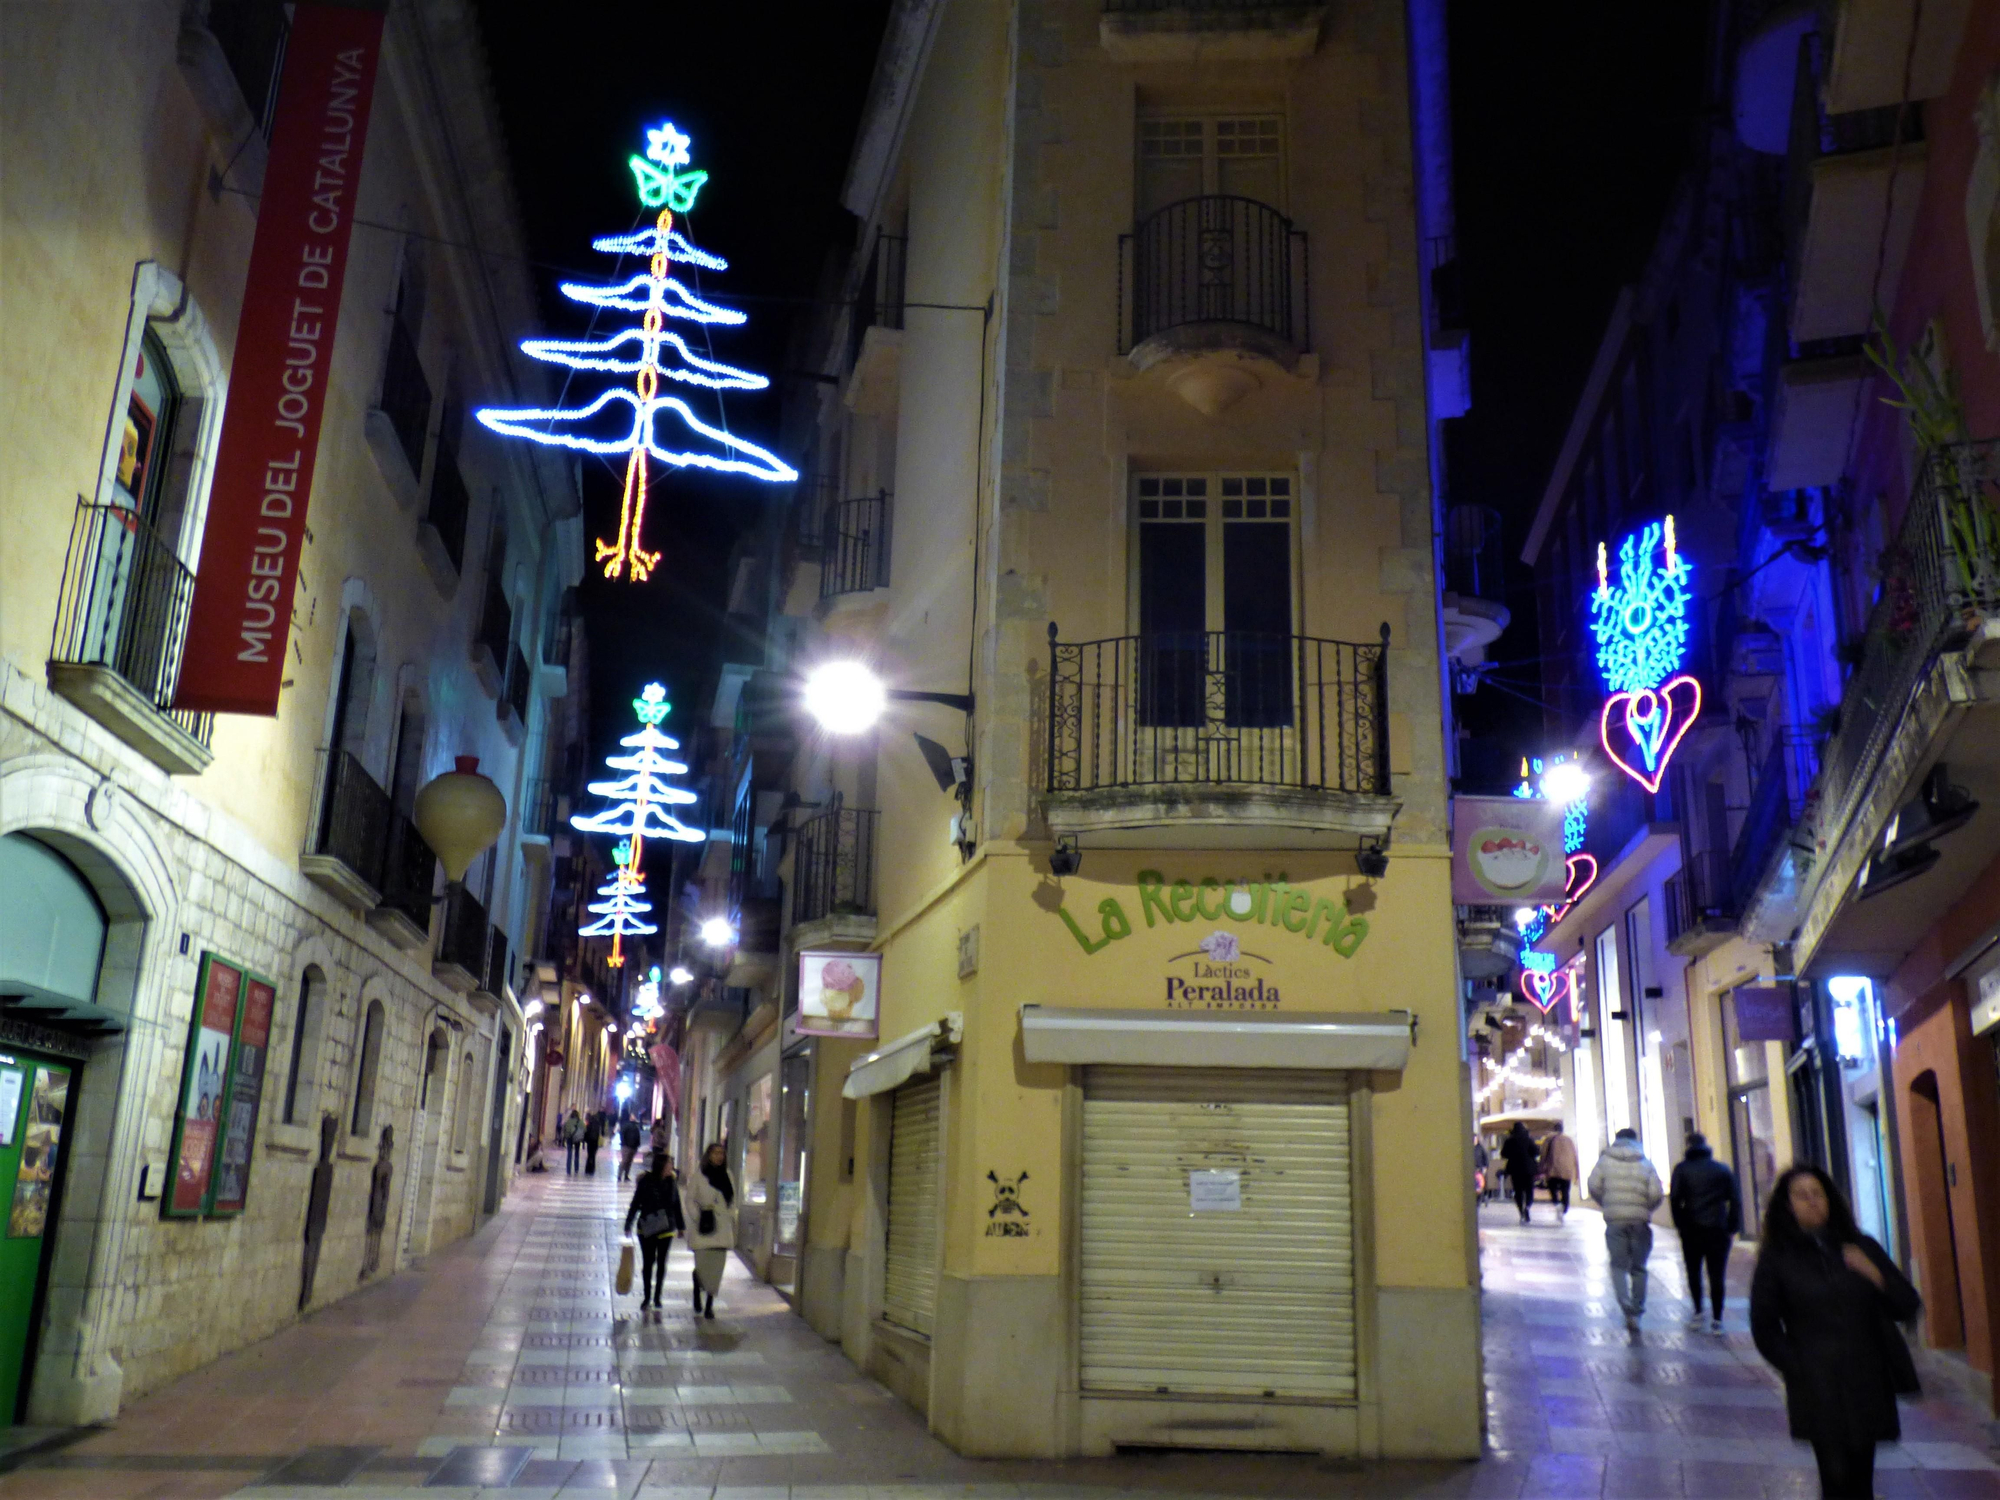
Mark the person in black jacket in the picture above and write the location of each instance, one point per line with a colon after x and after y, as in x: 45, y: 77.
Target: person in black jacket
x: 656, y: 1210
x: 1702, y: 1199
x: 1824, y: 1304
x: 1522, y: 1156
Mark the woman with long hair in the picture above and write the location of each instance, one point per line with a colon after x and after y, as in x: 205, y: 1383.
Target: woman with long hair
x: 1824, y: 1304
x: 713, y: 1196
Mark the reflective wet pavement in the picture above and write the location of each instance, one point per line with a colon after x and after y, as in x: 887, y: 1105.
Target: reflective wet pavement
x: 505, y: 1367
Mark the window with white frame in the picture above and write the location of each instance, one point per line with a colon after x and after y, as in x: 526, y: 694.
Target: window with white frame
x: 1183, y: 155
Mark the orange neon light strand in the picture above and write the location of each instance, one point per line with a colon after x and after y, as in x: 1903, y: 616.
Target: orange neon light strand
x: 626, y: 552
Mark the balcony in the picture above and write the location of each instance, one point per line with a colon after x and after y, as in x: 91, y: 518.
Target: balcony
x: 349, y: 853
x: 1143, y: 31
x: 755, y: 959
x: 121, y: 624
x: 409, y: 874
x: 833, y: 880
x: 231, y: 59
x: 1854, y: 180
x: 1489, y: 942
x: 855, y: 548
x: 1812, y: 413
x: 1923, y: 694
x: 1219, y: 739
x: 558, y: 641
x: 1880, y: 46
x: 1217, y: 298
x: 512, y: 708
x: 1475, y: 583
x: 252, y: 36
x: 1450, y: 341
x: 493, y: 639
x: 406, y: 399
x: 491, y: 987
x: 465, y: 944
x: 875, y: 331
x: 538, y: 821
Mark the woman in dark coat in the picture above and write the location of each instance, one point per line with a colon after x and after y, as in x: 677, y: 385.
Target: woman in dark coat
x: 656, y: 1210
x: 1522, y: 1156
x: 592, y: 1134
x: 1824, y: 1304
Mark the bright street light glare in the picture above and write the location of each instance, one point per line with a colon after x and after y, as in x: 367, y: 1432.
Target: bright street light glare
x: 845, y: 697
x: 1565, y: 782
x: 680, y: 975
x: 717, y: 933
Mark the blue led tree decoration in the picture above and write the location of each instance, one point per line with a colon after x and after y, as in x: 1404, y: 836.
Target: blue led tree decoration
x: 1641, y: 628
x: 638, y: 811
x: 641, y: 422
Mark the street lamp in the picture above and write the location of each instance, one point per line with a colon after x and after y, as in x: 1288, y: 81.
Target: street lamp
x: 847, y: 698
x: 680, y: 975
x: 1565, y: 782
x: 717, y: 933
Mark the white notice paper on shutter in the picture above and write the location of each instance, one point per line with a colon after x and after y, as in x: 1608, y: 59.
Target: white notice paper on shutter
x: 1213, y: 1192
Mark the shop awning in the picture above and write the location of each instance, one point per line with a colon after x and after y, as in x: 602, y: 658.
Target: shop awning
x: 1208, y: 1039
x: 919, y: 1052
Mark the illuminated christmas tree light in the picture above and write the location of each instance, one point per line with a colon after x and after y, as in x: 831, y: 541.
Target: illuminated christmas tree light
x: 638, y: 811
x: 640, y: 422
x: 622, y: 912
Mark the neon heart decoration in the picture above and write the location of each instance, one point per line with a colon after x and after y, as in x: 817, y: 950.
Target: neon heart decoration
x: 1545, y: 989
x: 1582, y: 876
x: 1653, y: 722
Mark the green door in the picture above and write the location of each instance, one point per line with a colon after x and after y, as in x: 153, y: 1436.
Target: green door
x: 37, y: 1098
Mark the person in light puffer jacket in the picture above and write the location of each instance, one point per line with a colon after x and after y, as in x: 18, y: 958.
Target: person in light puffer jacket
x: 1625, y: 1187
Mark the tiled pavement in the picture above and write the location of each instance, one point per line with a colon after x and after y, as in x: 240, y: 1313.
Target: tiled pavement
x: 505, y: 1369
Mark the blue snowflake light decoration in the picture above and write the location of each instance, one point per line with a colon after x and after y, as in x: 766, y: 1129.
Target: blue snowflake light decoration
x: 1641, y: 624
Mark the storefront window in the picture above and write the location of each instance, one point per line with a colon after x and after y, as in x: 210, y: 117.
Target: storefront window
x: 794, y: 1106
x: 1611, y: 1030
x: 756, y: 1142
x: 1752, y: 1128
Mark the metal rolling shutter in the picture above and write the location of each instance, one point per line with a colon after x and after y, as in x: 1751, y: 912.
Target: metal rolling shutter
x: 909, y: 1283
x: 1258, y: 1301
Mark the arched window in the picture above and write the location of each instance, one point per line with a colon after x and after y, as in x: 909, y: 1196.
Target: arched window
x: 370, y: 1064
x: 462, y: 1131
x: 51, y: 926
x: 307, y: 1018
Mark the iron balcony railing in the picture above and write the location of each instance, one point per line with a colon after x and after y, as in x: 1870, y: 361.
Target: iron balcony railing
x: 354, y: 817
x: 834, y: 871
x: 1777, y: 800
x: 406, y: 393
x: 560, y: 632
x: 409, y: 872
x: 1699, y: 892
x: 814, y: 500
x: 1940, y: 578
x: 1222, y: 260
x: 1447, y: 283
x: 855, y: 553
x: 879, y: 301
x: 1219, y: 706
x: 539, y: 818
x: 1474, y: 557
x: 124, y: 606
x: 252, y: 36
x: 450, y: 505
x: 499, y: 957
x: 465, y: 937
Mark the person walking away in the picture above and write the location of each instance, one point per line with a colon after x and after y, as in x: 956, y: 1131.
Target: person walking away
x: 572, y: 1135
x: 1480, y: 1163
x: 1702, y: 1198
x: 1627, y: 1190
x: 1824, y: 1303
x: 1559, y: 1170
x: 629, y: 1136
x: 714, y: 1233
x: 656, y: 1211
x: 660, y: 1136
x: 1519, y: 1153
x: 593, y: 1132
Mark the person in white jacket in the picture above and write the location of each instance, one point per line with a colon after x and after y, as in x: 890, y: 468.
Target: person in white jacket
x: 1627, y: 1189
x: 712, y: 1221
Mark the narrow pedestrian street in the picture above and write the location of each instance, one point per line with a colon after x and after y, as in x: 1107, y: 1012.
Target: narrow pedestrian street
x: 506, y: 1367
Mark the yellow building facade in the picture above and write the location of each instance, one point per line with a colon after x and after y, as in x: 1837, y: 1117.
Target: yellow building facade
x: 1164, y: 1136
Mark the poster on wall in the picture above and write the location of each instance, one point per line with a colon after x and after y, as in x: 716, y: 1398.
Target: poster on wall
x: 1507, y: 851
x: 35, y: 1177
x: 839, y: 994
x: 246, y: 1096
x: 211, y: 1076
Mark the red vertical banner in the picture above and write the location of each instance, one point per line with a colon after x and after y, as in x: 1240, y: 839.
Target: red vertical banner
x: 241, y: 615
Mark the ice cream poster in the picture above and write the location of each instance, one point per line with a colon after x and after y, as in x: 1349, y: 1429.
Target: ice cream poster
x: 838, y: 994
x: 1507, y: 851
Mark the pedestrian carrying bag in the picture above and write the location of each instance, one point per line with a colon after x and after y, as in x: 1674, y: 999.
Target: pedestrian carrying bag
x: 624, y: 1282
x: 659, y: 1221
x: 706, y: 1223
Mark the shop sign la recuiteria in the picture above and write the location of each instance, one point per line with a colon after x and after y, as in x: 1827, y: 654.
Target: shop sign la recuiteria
x: 1220, y: 970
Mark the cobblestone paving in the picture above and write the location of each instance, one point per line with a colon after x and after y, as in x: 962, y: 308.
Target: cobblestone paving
x: 505, y: 1369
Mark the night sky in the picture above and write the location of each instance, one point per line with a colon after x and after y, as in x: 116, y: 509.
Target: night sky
x: 1572, y: 121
